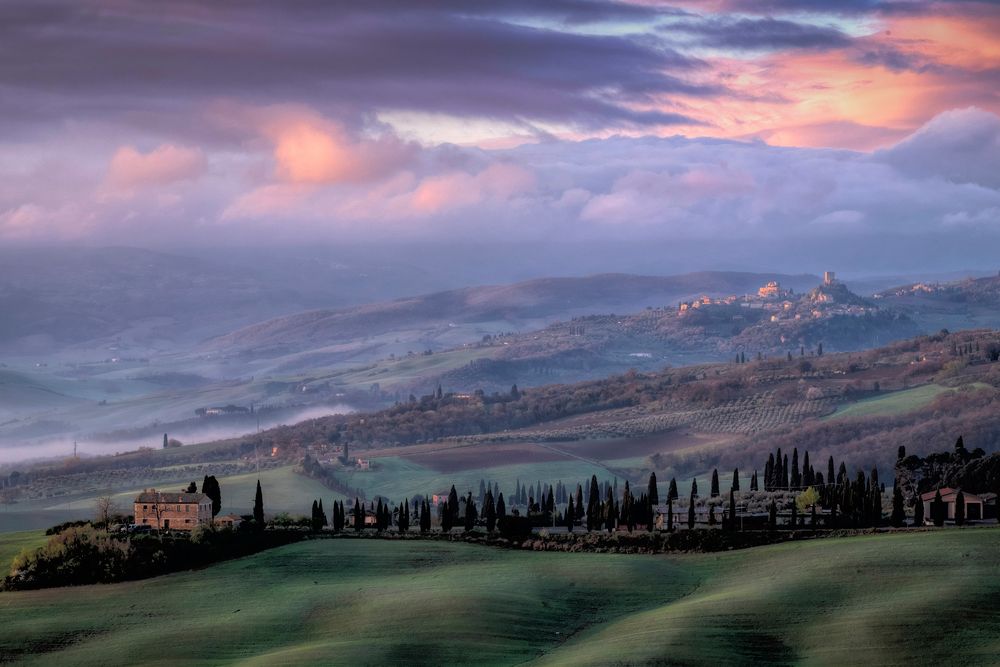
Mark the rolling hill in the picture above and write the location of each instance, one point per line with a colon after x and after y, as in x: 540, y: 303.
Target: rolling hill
x: 502, y: 307
x: 873, y: 599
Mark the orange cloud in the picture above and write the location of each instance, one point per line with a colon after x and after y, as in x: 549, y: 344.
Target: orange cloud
x: 862, y: 96
x: 310, y: 149
x: 166, y: 164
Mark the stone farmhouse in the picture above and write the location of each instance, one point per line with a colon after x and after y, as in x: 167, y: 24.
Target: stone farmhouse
x: 974, y: 504
x: 172, y: 511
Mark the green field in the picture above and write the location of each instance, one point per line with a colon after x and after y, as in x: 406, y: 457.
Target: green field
x: 283, y: 489
x: 398, y: 477
x: 895, y: 403
x: 913, y: 598
x: 11, y: 545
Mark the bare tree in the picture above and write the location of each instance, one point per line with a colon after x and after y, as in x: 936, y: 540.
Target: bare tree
x: 106, y: 508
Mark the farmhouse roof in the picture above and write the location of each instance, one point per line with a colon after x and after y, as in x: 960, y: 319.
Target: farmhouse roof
x: 948, y: 492
x: 154, y: 496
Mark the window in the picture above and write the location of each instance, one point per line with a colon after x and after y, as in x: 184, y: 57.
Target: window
x: 145, y: 507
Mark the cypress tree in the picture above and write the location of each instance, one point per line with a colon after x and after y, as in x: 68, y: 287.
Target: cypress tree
x: 314, y: 522
x: 753, y: 482
x: 691, y: 511
x: 784, y: 473
x: 404, y: 516
x: 446, y: 518
x: 898, y: 517
x: 769, y: 473
x: 670, y: 515
x: 359, y: 516
x: 210, y: 487
x: 258, y: 507
x: 938, y: 509
x: 490, y: 512
x: 830, y: 477
x: 672, y: 492
x: 795, y: 478
x: 626, y: 509
x: 570, y: 518
x: 732, y: 509
x: 694, y: 487
x: 452, y: 501
x: 653, y: 493
x: 807, y: 474
x: 736, y: 480
x: 959, y: 508
x: 425, y: 516
x: 470, y: 512
x: 918, y: 512
x: 378, y: 517
x: 593, y: 498
x: 715, y: 483
x: 711, y: 515
x: 322, y: 514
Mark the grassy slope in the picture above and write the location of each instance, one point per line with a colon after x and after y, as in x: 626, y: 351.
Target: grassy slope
x: 395, y: 477
x: 11, y: 545
x: 912, y: 598
x: 284, y: 491
x: 895, y: 403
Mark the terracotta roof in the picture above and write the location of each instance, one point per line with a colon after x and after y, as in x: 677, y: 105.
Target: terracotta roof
x: 167, y: 497
x: 947, y: 492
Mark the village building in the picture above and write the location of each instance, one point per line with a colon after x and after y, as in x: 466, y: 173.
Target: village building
x: 229, y: 521
x: 974, y: 504
x: 772, y: 290
x: 363, y: 464
x: 172, y: 511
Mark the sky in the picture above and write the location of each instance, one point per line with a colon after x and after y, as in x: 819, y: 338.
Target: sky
x: 763, y: 122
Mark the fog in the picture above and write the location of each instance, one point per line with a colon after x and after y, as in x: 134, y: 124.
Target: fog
x: 59, y: 448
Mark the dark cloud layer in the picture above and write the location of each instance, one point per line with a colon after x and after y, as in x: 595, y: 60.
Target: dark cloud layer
x: 81, y: 59
x: 760, y: 34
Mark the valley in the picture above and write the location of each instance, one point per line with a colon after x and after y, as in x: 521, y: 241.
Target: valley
x: 532, y: 333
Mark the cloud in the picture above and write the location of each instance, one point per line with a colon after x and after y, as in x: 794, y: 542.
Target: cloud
x: 309, y: 149
x: 163, y: 165
x: 759, y: 34
x: 515, y: 61
x: 962, y: 146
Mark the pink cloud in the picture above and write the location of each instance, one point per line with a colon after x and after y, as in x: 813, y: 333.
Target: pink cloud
x: 163, y: 165
x: 457, y: 189
x: 311, y: 149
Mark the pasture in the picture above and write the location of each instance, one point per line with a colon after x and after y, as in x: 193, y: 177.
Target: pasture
x: 395, y: 477
x: 889, y: 404
x: 875, y: 599
x: 283, y: 489
x: 11, y: 545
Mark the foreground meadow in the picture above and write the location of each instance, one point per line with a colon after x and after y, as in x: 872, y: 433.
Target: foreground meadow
x: 911, y: 598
